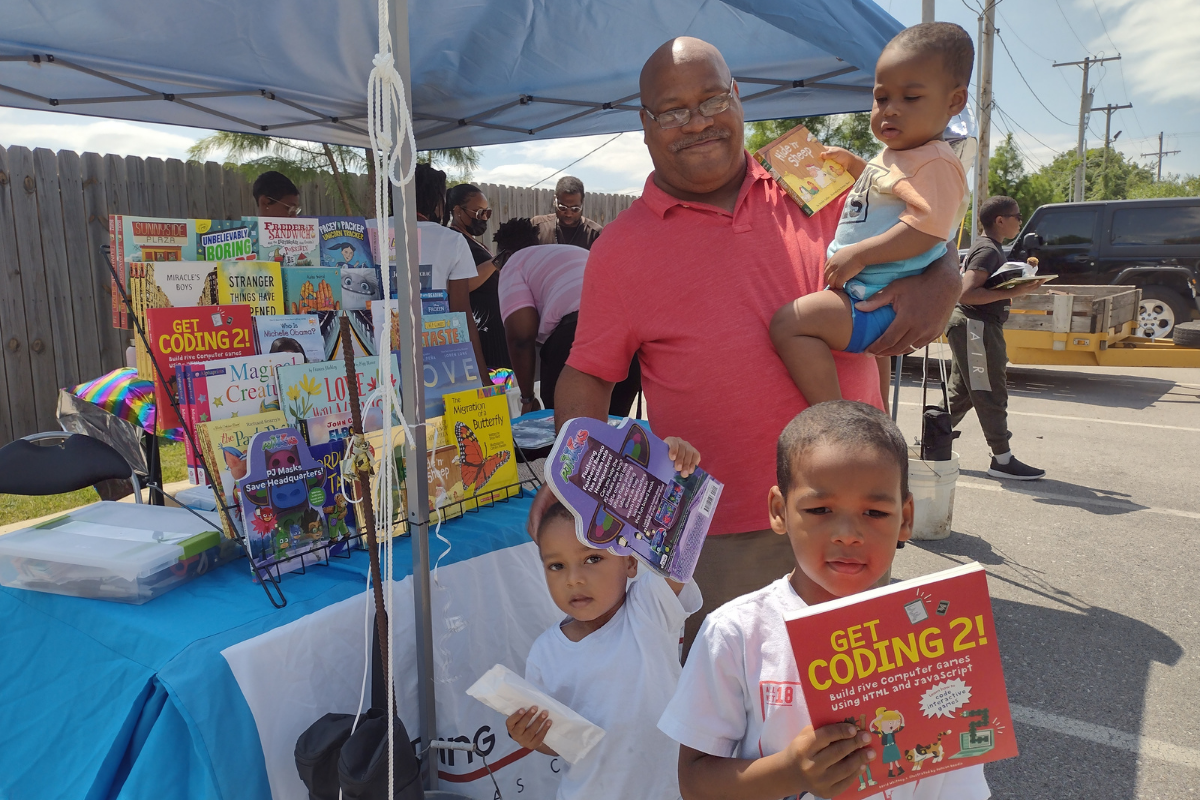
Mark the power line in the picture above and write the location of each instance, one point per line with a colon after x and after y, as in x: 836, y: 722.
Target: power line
x: 1013, y: 122
x: 1027, y: 86
x: 1013, y: 31
x: 1073, y: 33
x: 576, y: 161
x: 1102, y: 25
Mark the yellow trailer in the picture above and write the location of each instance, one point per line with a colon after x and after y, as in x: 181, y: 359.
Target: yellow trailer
x: 1086, y: 326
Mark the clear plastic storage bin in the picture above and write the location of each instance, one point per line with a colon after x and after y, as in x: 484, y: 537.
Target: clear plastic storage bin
x: 125, y: 552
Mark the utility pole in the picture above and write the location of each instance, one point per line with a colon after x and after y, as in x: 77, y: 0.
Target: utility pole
x: 983, y: 107
x: 1108, y: 112
x: 1085, y: 106
x: 1159, y: 155
x: 927, y: 10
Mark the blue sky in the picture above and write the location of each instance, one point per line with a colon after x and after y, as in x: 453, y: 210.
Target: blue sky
x: 1159, y: 73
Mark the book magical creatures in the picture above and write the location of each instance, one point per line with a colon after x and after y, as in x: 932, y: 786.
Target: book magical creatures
x: 926, y: 752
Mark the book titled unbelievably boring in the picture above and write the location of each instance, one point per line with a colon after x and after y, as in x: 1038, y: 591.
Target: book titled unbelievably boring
x: 916, y: 664
x: 625, y: 494
x: 797, y: 161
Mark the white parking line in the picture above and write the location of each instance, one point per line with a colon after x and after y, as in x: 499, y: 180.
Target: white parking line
x: 1151, y: 748
x: 1089, y: 419
x: 1075, y: 499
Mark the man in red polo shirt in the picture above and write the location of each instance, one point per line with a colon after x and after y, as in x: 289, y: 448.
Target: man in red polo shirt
x: 688, y: 279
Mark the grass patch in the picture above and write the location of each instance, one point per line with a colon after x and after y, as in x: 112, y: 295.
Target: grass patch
x: 16, y: 508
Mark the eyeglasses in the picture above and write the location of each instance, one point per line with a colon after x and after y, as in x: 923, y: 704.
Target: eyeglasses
x: 678, y: 117
x: 479, y: 213
x: 573, y: 209
x: 292, y: 210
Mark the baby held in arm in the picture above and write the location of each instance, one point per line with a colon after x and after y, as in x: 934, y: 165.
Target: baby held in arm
x: 904, y: 205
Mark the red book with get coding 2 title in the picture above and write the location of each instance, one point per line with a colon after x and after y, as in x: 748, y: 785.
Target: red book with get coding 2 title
x: 189, y: 335
x: 917, y: 665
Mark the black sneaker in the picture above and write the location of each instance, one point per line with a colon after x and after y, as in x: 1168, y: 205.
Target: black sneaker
x: 1015, y: 470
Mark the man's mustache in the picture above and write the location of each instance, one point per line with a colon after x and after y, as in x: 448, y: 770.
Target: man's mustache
x: 697, y: 138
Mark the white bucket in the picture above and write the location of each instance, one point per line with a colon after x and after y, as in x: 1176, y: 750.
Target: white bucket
x: 932, y: 486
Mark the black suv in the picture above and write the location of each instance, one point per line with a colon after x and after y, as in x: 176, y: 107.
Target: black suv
x: 1151, y: 244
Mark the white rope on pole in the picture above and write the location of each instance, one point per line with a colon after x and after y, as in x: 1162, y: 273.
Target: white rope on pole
x: 387, y: 104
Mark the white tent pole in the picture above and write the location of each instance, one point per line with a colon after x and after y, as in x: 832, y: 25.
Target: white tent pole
x: 413, y: 399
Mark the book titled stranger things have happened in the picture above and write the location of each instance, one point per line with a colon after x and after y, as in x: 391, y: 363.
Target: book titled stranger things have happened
x: 622, y: 488
x: 917, y: 665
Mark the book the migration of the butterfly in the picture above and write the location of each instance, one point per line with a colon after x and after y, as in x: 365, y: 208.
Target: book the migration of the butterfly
x: 477, y: 421
x: 622, y: 488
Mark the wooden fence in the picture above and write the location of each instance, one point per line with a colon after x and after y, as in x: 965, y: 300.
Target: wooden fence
x: 55, y: 288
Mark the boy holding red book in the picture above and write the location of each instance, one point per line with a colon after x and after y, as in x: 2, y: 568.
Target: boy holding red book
x: 739, y: 713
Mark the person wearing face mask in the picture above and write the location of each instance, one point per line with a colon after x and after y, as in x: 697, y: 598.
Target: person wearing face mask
x: 468, y: 213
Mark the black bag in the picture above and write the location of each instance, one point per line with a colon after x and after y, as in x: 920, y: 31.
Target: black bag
x: 331, y: 760
x: 937, y: 433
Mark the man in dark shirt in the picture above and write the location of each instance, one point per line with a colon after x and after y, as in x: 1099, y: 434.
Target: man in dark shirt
x: 976, y: 335
x: 567, y: 225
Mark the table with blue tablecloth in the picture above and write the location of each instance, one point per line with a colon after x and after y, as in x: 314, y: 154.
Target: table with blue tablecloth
x: 202, y: 692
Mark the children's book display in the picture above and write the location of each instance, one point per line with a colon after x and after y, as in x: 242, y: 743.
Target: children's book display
x: 243, y: 319
x: 291, y: 333
x: 282, y: 500
x: 917, y: 665
x: 622, y: 488
x: 798, y: 162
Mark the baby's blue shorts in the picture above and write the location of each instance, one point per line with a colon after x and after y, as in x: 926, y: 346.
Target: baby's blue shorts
x: 868, y: 326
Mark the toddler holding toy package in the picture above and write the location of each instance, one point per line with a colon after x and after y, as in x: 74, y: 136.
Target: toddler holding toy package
x: 905, y: 204
x: 614, y: 660
x: 739, y: 714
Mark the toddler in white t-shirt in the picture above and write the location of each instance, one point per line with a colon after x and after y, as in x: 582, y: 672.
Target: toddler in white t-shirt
x: 738, y: 713
x: 614, y: 660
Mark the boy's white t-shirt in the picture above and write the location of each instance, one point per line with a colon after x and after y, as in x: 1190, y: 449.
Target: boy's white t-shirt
x: 447, y: 252
x: 740, y: 695
x: 621, y: 677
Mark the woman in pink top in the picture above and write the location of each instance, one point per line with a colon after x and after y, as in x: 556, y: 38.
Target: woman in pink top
x: 540, y: 287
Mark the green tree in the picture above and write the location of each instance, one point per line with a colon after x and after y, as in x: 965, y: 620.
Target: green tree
x: 1170, y: 186
x: 1008, y: 176
x: 303, y: 162
x: 851, y: 131
x: 460, y: 162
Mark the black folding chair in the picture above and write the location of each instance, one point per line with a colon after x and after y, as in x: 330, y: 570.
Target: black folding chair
x: 58, y: 461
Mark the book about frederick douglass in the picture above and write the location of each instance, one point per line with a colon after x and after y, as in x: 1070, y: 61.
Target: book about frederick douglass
x: 258, y: 284
x: 797, y: 161
x: 226, y: 443
x: 189, y: 335
x: 314, y: 390
x: 282, y: 501
x: 286, y: 332
x: 917, y: 665
x: 289, y: 241
x: 622, y: 488
x: 154, y: 239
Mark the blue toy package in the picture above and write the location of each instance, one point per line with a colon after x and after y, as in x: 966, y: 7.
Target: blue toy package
x: 622, y: 488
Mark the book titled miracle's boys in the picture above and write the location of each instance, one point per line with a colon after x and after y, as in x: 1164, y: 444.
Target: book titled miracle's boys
x: 622, y: 488
x: 916, y: 664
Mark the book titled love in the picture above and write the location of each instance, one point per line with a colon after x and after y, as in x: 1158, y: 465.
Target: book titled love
x: 916, y: 664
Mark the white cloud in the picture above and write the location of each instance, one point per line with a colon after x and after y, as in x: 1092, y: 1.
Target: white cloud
x: 58, y: 131
x: 1157, y: 41
x: 620, y: 166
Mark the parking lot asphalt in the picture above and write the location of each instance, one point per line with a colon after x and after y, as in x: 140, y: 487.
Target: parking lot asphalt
x: 1092, y: 572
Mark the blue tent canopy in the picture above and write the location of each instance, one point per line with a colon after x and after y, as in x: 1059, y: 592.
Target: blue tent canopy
x: 483, y: 71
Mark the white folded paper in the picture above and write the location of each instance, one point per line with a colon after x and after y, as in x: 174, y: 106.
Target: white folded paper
x: 501, y: 689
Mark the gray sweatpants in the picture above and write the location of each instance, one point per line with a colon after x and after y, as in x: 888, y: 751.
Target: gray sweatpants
x: 991, y: 404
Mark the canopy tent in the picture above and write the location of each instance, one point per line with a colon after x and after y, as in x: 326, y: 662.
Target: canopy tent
x: 483, y: 72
